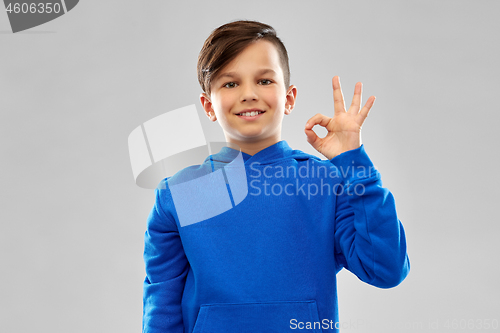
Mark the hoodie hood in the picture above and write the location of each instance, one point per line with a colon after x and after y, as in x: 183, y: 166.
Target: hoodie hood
x: 276, y: 153
x: 270, y: 155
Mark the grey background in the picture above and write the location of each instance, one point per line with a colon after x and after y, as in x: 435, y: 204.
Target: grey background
x: 73, y: 221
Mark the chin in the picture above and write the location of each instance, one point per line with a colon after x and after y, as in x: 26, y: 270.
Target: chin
x: 249, y: 132
x: 249, y: 136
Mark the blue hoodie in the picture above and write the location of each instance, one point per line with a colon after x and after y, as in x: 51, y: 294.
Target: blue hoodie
x: 268, y: 263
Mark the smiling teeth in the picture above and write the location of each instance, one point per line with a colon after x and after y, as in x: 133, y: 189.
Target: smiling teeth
x: 250, y: 114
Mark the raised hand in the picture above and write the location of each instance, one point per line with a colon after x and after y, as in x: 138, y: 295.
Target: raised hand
x: 344, y: 129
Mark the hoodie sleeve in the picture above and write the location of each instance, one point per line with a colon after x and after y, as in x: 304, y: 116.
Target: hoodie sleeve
x: 369, y: 238
x: 166, y: 269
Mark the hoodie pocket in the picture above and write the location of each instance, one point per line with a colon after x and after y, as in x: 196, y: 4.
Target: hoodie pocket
x: 268, y: 317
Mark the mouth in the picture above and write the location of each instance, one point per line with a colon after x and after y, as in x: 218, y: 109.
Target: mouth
x: 250, y: 115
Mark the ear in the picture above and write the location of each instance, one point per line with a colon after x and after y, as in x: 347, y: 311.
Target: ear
x: 207, y: 106
x: 291, y: 96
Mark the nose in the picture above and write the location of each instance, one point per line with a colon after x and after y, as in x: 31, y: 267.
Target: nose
x: 248, y: 93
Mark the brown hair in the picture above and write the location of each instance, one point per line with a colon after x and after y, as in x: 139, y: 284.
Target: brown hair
x: 229, y: 40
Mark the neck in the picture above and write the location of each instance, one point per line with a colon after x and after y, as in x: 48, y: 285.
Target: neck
x: 253, y: 147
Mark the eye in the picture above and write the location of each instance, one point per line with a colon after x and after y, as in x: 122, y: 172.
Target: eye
x: 265, y: 82
x: 230, y: 85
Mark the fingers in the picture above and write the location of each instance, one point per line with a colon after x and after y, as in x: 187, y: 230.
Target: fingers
x: 317, y: 119
x: 354, y: 109
x: 365, y: 110
x: 356, y: 99
x: 338, y: 98
x: 312, y: 137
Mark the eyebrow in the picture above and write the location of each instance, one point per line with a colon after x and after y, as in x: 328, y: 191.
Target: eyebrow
x: 261, y: 72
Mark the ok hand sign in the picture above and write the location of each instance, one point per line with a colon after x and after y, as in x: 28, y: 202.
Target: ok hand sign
x: 344, y: 129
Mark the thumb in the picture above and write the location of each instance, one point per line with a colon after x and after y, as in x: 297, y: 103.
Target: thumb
x: 312, y: 137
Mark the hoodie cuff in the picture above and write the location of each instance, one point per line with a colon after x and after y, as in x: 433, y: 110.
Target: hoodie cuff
x: 355, y: 164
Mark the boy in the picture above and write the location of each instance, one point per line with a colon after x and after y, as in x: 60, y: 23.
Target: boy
x: 269, y: 263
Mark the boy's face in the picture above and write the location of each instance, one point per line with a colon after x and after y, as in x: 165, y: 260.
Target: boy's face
x: 252, y: 81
